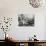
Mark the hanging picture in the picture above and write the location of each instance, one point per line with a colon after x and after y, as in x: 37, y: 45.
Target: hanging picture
x: 25, y: 20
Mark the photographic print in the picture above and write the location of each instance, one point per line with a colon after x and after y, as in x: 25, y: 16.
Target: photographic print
x: 25, y: 20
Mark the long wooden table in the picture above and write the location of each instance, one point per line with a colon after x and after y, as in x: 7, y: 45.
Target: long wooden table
x: 27, y: 42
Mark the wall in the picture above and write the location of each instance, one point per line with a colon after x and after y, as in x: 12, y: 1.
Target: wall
x: 45, y: 28
x: 11, y: 8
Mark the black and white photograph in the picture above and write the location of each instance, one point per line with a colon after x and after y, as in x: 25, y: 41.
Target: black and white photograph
x: 25, y: 20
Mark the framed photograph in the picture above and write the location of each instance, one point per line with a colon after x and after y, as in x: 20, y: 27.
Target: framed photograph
x: 26, y: 20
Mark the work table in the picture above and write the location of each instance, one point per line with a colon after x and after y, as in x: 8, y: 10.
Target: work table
x: 30, y: 41
x: 44, y: 41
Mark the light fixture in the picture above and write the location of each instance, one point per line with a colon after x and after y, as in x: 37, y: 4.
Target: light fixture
x: 35, y: 3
